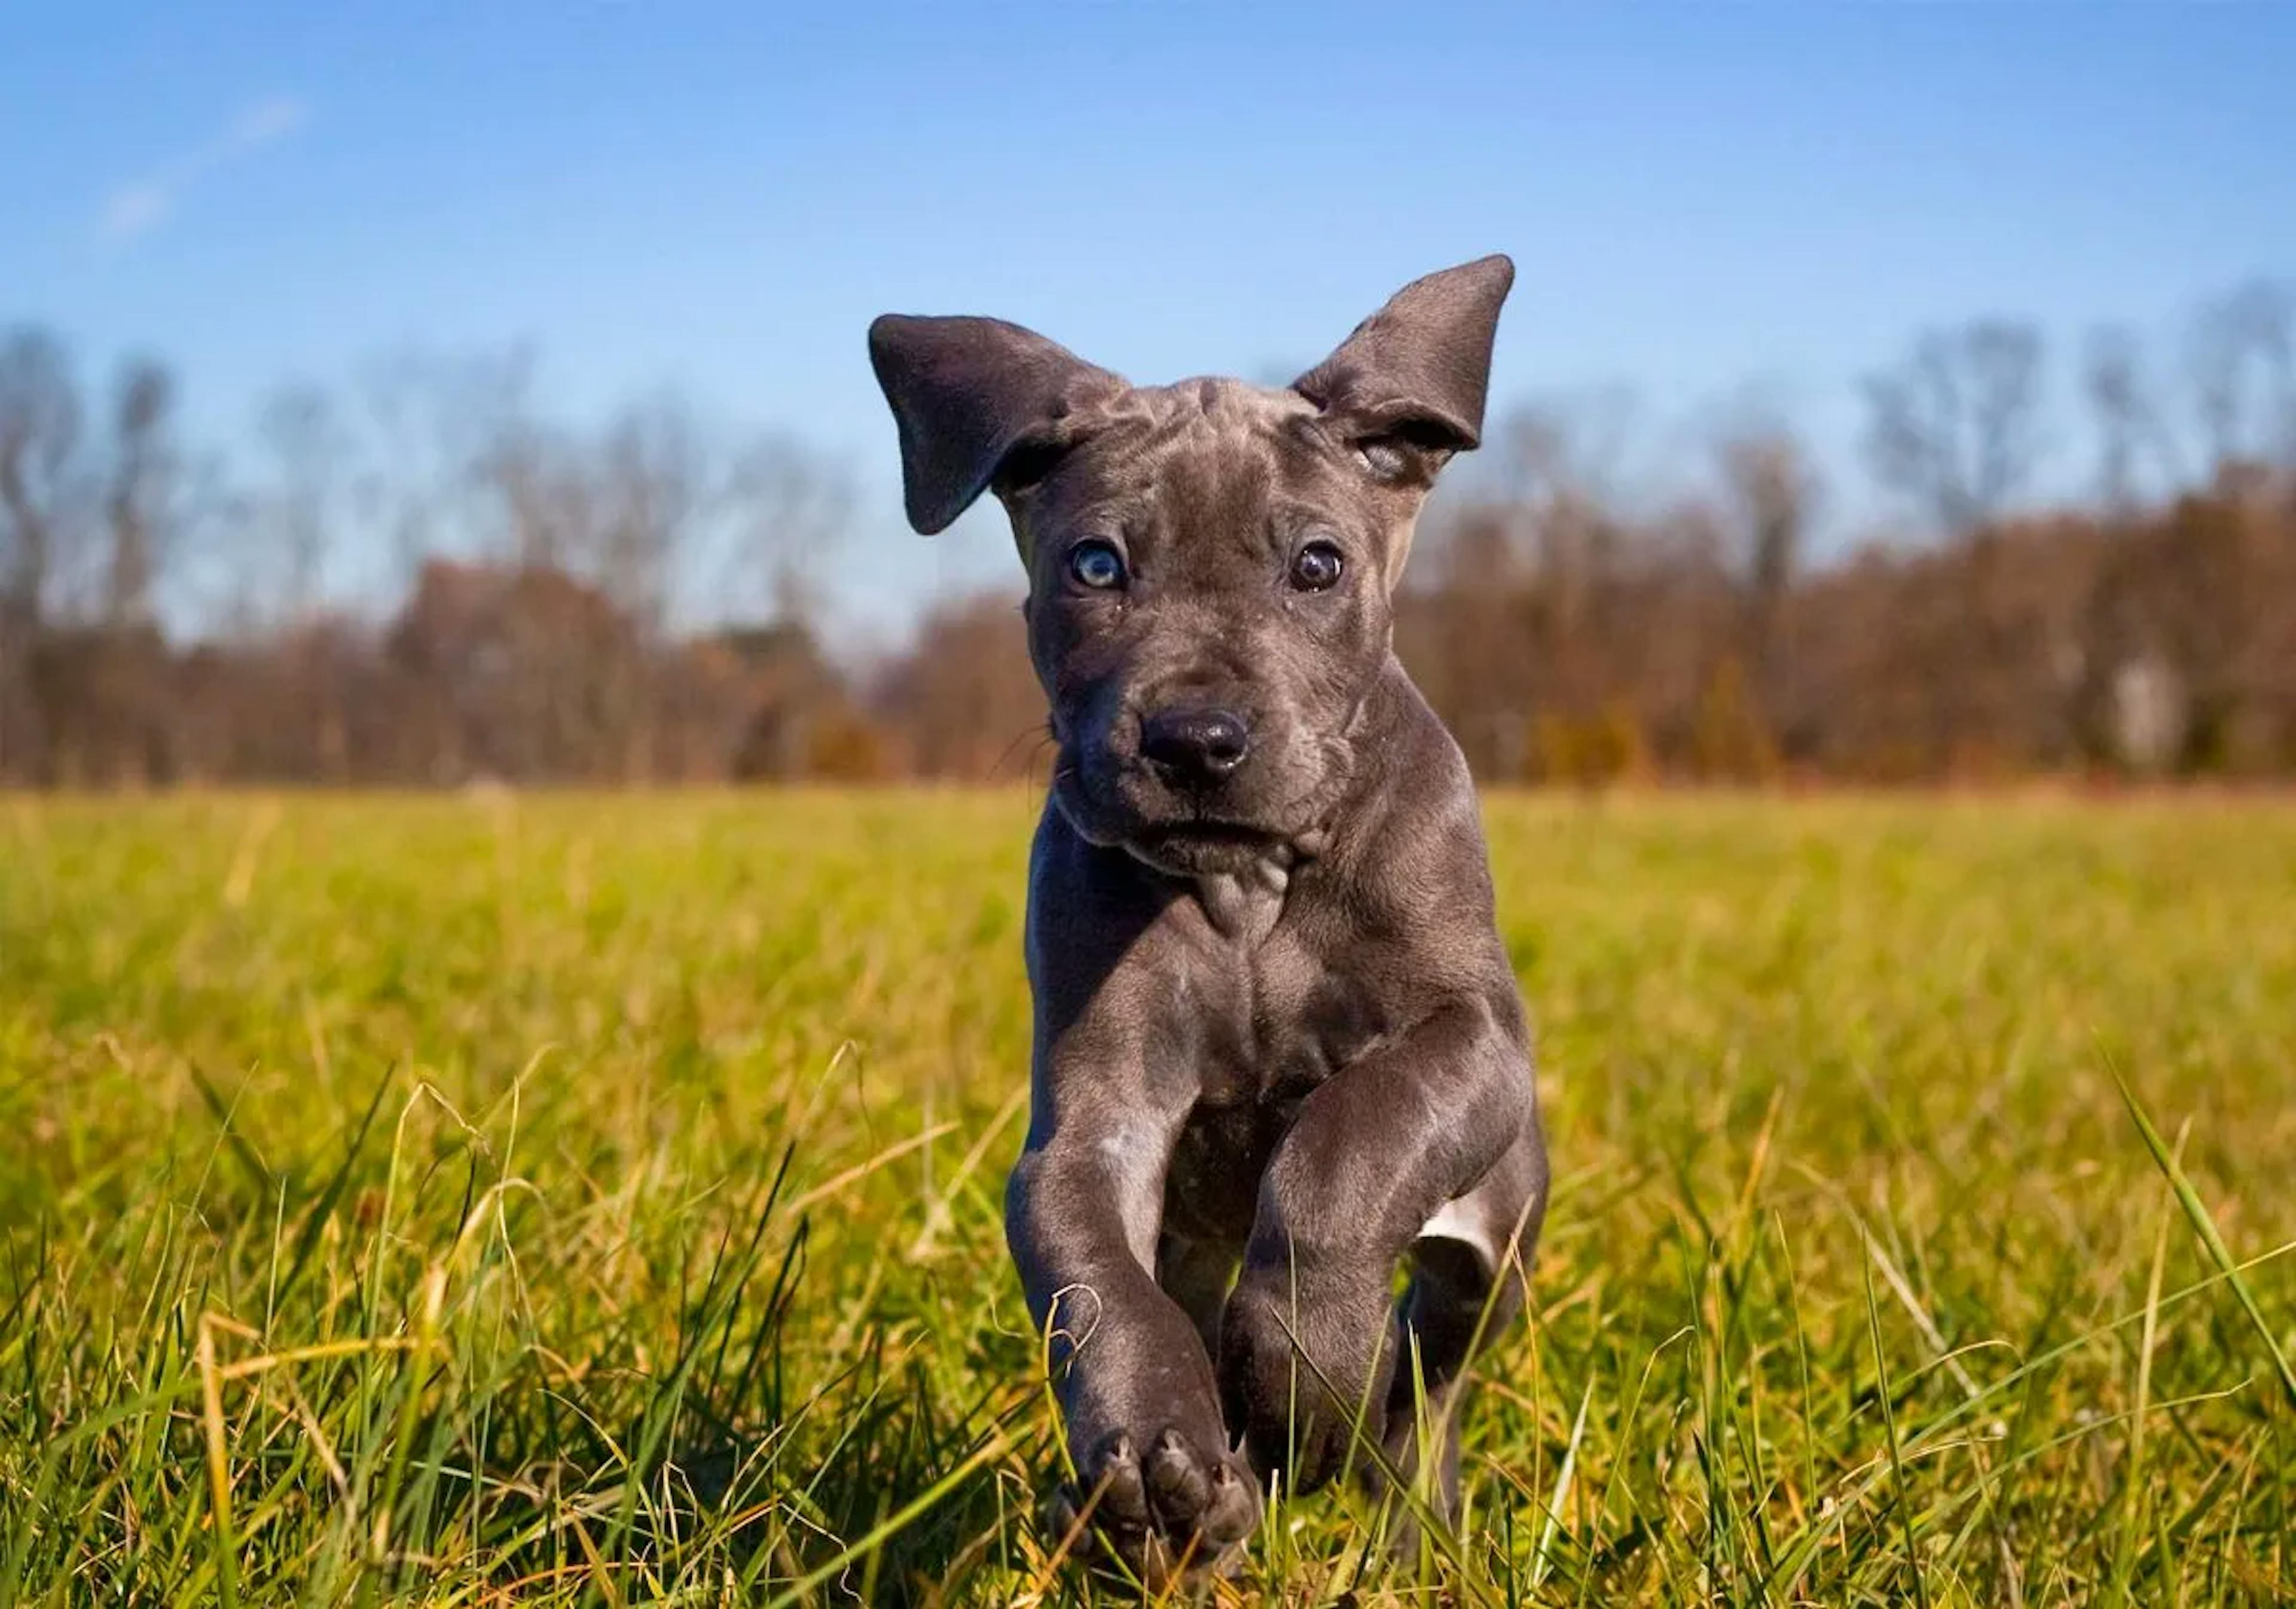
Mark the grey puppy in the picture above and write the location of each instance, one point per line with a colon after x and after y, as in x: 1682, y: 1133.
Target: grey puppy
x: 1279, y: 1049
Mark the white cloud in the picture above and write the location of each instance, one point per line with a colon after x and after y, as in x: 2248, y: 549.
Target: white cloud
x: 138, y: 208
x: 267, y: 121
x: 132, y: 210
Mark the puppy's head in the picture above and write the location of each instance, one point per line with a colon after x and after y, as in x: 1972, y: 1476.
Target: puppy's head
x: 1211, y: 564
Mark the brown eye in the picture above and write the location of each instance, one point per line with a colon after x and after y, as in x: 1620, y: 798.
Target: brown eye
x: 1316, y: 567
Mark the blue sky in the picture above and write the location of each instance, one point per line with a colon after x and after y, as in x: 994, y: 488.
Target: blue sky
x: 721, y: 196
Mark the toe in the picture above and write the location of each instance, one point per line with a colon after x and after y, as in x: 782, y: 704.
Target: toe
x: 1178, y: 1483
x: 1231, y: 1507
x: 1065, y: 1526
x: 1113, y: 1471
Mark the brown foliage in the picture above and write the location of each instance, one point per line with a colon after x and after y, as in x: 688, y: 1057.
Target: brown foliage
x: 1565, y: 639
x: 2157, y: 644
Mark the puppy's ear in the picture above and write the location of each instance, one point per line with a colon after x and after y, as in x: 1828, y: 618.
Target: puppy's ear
x: 1407, y: 387
x: 977, y: 400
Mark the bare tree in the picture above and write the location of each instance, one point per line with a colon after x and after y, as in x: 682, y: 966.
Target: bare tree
x: 1955, y: 425
x: 448, y: 433
x: 308, y: 450
x: 1560, y: 463
x: 39, y: 443
x: 142, y: 503
x: 1568, y: 447
x: 787, y: 508
x: 2110, y: 378
x: 1769, y: 488
x: 39, y: 439
x: 544, y: 483
x: 2136, y: 448
x: 2240, y: 357
x: 2268, y: 312
x: 653, y: 488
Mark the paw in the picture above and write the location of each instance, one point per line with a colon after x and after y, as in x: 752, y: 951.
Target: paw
x: 1310, y: 1391
x: 1175, y: 1511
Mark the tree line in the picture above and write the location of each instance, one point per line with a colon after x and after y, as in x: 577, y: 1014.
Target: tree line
x: 422, y: 578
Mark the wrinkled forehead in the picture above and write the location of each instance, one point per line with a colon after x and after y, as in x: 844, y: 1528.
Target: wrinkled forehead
x: 1203, y: 455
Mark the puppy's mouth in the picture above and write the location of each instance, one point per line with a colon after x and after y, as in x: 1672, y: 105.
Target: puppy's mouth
x: 1204, y: 841
x: 1188, y: 845
x: 1196, y: 847
x: 1209, y: 835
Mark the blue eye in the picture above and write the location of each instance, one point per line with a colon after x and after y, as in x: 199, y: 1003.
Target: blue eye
x: 1096, y: 564
x: 1316, y: 567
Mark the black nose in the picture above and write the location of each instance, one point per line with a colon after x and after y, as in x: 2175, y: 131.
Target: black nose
x: 1195, y: 746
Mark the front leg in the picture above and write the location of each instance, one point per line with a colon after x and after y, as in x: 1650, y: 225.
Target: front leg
x: 1135, y: 1384
x: 1307, y: 1345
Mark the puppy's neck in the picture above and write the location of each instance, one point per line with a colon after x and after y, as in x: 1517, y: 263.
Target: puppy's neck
x: 1244, y: 906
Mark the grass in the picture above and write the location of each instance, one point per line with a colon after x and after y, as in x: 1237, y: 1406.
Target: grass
x: 572, y: 1201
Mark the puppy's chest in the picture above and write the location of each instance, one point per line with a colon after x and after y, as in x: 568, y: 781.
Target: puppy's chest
x: 1272, y: 1024
x: 1265, y: 1027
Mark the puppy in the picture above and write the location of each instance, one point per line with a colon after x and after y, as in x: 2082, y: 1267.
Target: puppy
x: 1279, y: 1051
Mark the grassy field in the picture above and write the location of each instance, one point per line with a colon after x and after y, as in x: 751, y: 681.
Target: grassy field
x: 559, y: 1200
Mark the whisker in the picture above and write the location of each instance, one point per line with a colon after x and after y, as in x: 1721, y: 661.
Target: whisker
x: 1041, y: 731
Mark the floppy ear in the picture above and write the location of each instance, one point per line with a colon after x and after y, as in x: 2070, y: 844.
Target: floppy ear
x: 976, y: 400
x: 1414, y: 374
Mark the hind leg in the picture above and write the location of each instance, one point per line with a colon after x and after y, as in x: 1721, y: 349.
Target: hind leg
x: 1468, y: 1272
